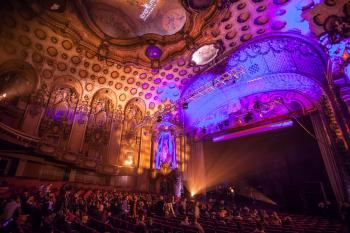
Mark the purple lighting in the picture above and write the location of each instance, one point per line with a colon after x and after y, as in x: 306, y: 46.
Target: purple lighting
x: 153, y: 52
x: 166, y: 151
x: 259, y: 129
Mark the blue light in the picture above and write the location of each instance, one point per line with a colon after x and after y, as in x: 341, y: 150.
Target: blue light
x: 293, y: 15
x: 271, y: 64
x: 168, y: 93
x: 347, y: 72
x: 166, y: 151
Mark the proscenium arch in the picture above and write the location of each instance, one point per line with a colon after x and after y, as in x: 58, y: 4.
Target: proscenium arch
x: 294, y: 44
x: 273, y: 62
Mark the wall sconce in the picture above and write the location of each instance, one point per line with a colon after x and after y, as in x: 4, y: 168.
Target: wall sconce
x: 129, y: 161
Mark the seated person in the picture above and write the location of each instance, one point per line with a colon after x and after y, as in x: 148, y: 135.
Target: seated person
x: 198, y: 226
x: 185, y: 222
x: 275, y: 219
x: 259, y: 228
x: 141, y: 225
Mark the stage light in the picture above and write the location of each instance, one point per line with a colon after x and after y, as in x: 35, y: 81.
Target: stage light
x: 185, y: 105
x: 257, y: 105
x: 248, y: 117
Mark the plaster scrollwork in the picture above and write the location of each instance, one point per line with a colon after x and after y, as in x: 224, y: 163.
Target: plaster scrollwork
x: 99, y: 125
x: 330, y: 117
x: 83, y: 109
x: 57, y: 122
x: 131, y: 135
x: 39, y: 100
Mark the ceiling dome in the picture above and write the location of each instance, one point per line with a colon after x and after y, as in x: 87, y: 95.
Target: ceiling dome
x: 123, y: 19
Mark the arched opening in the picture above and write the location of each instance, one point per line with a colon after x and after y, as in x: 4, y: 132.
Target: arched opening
x: 18, y: 80
x: 98, y: 129
x: 131, y: 134
x: 57, y: 122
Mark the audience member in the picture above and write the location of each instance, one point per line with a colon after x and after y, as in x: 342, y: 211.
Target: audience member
x: 46, y: 209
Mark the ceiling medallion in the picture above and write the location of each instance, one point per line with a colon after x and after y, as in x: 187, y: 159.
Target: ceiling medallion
x: 123, y: 20
x: 129, y: 24
x: 205, y: 54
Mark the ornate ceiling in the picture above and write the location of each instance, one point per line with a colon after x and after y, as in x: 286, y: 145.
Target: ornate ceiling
x: 142, y: 48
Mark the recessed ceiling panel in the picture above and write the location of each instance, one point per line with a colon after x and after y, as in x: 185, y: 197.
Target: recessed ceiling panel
x: 124, y: 19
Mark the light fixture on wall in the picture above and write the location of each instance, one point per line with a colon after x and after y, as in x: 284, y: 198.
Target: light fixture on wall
x: 3, y: 96
x: 129, y: 161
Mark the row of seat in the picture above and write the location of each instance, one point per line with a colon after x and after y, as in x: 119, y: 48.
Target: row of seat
x: 172, y: 225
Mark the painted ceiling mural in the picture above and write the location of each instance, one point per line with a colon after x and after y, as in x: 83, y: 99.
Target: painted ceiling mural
x: 125, y: 19
x: 145, y: 48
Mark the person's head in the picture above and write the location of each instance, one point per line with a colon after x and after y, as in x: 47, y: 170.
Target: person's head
x: 142, y: 219
x: 101, y: 207
x: 186, y: 219
x: 17, y: 199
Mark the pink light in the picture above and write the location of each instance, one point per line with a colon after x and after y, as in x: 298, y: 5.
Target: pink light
x: 259, y: 129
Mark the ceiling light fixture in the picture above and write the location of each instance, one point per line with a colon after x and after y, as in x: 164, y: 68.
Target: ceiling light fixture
x: 205, y: 54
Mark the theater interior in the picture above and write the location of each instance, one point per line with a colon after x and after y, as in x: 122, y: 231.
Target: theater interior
x: 175, y: 116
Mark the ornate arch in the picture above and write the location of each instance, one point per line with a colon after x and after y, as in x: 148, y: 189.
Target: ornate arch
x: 103, y: 105
x: 18, y: 81
x: 131, y: 135
x: 23, y: 71
x: 140, y: 103
x: 279, y: 62
x: 105, y: 93
x: 68, y: 81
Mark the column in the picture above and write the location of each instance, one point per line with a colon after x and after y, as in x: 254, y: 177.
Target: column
x: 77, y: 135
x: 328, y: 153
x: 20, y: 167
x: 31, y: 119
x: 114, y: 142
x: 72, y: 175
